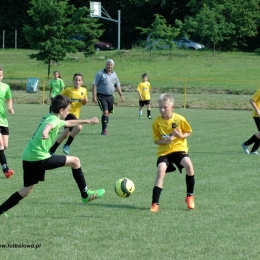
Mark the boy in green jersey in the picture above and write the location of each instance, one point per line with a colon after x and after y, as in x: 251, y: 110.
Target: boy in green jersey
x: 5, y: 94
x: 37, y: 159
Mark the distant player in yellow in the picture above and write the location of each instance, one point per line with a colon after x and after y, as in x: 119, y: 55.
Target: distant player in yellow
x: 170, y: 132
x: 78, y: 97
x: 254, y: 139
x: 144, y: 89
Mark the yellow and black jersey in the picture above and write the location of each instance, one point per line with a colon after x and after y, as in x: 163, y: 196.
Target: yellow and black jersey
x: 75, y: 95
x: 256, y: 98
x: 164, y: 128
x: 144, y: 88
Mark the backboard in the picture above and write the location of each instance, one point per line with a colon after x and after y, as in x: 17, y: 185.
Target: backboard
x: 95, y: 8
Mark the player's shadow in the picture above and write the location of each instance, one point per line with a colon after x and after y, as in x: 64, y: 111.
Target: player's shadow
x: 117, y: 206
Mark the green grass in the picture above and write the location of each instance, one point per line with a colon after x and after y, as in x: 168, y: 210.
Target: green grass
x: 224, y: 224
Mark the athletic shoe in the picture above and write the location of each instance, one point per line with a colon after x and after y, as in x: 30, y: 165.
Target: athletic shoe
x: 140, y: 117
x: 149, y: 117
x: 9, y: 173
x: 255, y: 152
x: 245, y: 147
x: 66, y: 149
x: 3, y: 216
x: 190, y: 202
x: 93, y: 194
x: 104, y: 132
x: 155, y: 207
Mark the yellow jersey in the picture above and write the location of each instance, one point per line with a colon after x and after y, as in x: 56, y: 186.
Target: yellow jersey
x: 75, y: 95
x: 144, y: 89
x: 163, y: 128
x: 256, y: 98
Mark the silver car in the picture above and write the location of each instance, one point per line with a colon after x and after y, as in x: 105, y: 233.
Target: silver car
x: 189, y: 44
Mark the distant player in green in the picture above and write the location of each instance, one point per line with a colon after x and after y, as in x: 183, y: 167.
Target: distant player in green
x: 37, y: 159
x: 254, y: 139
x: 56, y: 85
x: 170, y: 132
x: 144, y: 90
x: 5, y: 94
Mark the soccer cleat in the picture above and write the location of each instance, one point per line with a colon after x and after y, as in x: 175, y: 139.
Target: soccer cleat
x: 104, y: 132
x: 149, y: 117
x: 190, y: 202
x: 140, y: 117
x: 245, y: 147
x: 93, y: 194
x: 155, y: 207
x: 9, y: 173
x: 3, y: 216
x: 254, y: 152
x: 66, y: 149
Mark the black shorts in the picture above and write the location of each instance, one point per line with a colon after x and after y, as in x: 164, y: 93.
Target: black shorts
x: 4, y: 130
x: 70, y: 117
x: 106, y: 102
x: 144, y: 102
x: 171, y: 158
x: 33, y: 172
x: 257, y: 122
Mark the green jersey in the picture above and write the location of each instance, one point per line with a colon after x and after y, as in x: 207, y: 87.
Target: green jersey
x: 56, y: 86
x: 38, y: 149
x: 5, y: 93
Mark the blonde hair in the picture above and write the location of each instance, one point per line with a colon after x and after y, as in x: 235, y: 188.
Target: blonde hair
x: 165, y: 97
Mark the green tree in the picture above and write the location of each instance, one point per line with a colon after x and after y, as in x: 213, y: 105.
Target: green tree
x: 55, y: 25
x: 160, y: 34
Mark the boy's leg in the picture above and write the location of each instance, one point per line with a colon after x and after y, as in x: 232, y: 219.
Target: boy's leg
x: 73, y: 133
x: 158, y: 184
x: 140, y: 111
x: 149, y: 111
x: 190, y: 182
x: 59, y: 140
x: 15, y: 198
x: 86, y: 194
x: 3, y: 145
x: 256, y: 144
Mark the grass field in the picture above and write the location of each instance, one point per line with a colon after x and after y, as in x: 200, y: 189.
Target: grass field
x: 224, y: 225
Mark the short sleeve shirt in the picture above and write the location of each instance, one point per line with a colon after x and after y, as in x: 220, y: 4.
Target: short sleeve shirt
x: 75, y: 95
x: 5, y: 93
x: 256, y: 98
x: 164, y: 128
x: 38, y: 149
x: 106, y: 83
x: 144, y: 88
x: 56, y: 86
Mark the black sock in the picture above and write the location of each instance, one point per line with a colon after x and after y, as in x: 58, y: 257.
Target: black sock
x: 148, y: 112
x: 80, y: 180
x: 190, y: 182
x: 104, y: 121
x: 256, y: 145
x: 54, y: 147
x: 69, y: 141
x: 11, y: 202
x: 50, y: 110
x: 251, y: 140
x: 3, y: 161
x: 156, y: 195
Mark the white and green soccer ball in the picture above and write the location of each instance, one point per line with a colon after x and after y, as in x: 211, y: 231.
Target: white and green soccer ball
x: 124, y: 187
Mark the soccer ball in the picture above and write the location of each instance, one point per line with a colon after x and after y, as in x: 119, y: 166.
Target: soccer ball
x: 124, y: 187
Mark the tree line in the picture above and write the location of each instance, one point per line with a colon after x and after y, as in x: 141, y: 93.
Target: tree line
x: 220, y: 24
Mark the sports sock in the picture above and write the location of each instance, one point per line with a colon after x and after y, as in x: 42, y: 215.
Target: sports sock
x: 69, y: 141
x: 3, y: 161
x: 80, y: 180
x: 104, y: 120
x: 11, y: 202
x: 251, y: 140
x: 156, y: 194
x: 148, y: 112
x: 190, y: 182
x: 140, y: 113
x: 256, y: 145
x: 54, y: 147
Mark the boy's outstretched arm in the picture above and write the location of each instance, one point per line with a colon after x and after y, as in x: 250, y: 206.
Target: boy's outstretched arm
x: 71, y: 123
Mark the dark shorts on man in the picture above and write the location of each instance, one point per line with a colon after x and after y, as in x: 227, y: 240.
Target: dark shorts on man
x: 70, y: 117
x: 106, y: 102
x: 171, y: 158
x: 144, y: 102
x: 4, y: 130
x: 33, y: 172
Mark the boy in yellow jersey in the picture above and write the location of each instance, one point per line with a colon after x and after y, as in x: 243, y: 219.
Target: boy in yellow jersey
x: 254, y: 139
x: 78, y: 97
x: 170, y: 132
x: 144, y: 89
